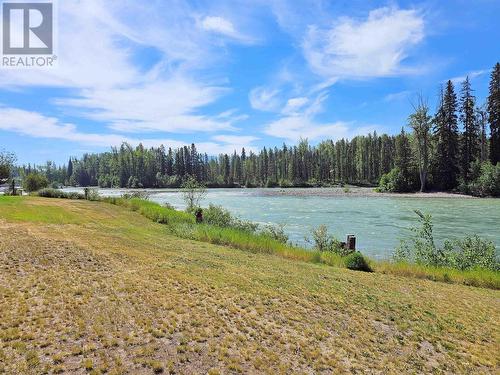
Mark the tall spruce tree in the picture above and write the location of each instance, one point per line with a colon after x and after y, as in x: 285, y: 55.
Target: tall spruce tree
x: 446, y: 133
x: 70, y: 170
x: 470, y: 142
x: 404, y: 160
x: 494, y: 114
x: 482, y: 121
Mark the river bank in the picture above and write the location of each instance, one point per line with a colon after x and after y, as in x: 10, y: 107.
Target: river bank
x: 354, y: 191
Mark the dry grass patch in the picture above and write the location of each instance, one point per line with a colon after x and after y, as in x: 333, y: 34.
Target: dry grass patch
x: 111, y: 292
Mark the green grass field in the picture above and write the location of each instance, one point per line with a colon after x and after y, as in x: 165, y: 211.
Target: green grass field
x: 89, y: 287
x: 182, y: 225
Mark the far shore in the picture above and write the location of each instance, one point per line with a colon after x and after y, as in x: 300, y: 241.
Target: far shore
x: 354, y: 191
x: 347, y: 191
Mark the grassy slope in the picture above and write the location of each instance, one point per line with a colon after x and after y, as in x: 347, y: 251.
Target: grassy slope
x: 182, y: 225
x: 94, y: 287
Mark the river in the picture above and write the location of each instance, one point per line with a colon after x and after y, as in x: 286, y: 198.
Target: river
x: 377, y: 220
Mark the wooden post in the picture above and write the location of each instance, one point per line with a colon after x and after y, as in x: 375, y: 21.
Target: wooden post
x: 351, y: 242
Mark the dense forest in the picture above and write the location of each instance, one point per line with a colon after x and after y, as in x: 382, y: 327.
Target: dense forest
x: 451, y: 149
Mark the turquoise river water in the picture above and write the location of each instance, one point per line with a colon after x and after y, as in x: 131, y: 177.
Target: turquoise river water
x: 379, y: 222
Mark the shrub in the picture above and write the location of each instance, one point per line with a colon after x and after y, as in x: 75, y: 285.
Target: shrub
x: 357, y: 262
x: 54, y: 193
x: 244, y: 225
x: 75, y: 195
x: 472, y: 252
x: 488, y: 181
x: 396, y: 181
x: 91, y: 194
x: 34, y: 182
x: 421, y: 248
x: 325, y: 242
x: 51, y: 193
x: 220, y: 217
x: 136, y: 194
x: 466, y: 254
x: 168, y: 205
x: 217, y: 215
x: 388, y: 181
x: 276, y: 232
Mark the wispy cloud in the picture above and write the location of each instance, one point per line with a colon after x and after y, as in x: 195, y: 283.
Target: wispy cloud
x: 219, y: 25
x: 302, y: 123
x: 33, y: 124
x: 163, y: 106
x: 296, y: 124
x: 293, y: 105
x: 348, y: 48
x: 375, y: 47
x: 235, y: 139
x: 265, y: 99
x: 471, y: 75
x: 99, y: 49
x: 397, y: 96
x: 293, y: 128
x: 224, y: 27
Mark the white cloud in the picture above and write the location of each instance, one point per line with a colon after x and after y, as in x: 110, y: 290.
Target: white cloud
x: 218, y: 25
x: 302, y: 123
x: 350, y: 48
x: 397, y: 96
x: 165, y: 106
x: 293, y: 128
x: 233, y: 115
x: 265, y: 99
x: 295, y: 104
x: 235, y: 139
x: 375, y: 47
x: 223, y: 27
x: 296, y: 124
x: 36, y: 125
x: 471, y: 75
x: 101, y: 47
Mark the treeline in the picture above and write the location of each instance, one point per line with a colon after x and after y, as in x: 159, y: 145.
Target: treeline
x: 447, y: 150
x: 361, y: 160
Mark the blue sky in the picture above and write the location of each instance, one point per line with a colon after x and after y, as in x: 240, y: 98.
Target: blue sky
x: 235, y: 74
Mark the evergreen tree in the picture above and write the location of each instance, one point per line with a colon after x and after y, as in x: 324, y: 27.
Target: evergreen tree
x: 470, y: 141
x: 404, y: 161
x: 494, y: 114
x: 70, y: 170
x: 446, y: 133
x: 482, y: 121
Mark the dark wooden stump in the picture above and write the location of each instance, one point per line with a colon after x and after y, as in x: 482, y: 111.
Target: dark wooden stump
x: 351, y: 242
